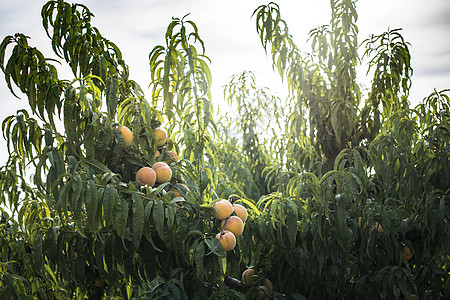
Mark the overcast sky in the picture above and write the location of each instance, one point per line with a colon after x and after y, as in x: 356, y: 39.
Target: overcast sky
x: 230, y: 37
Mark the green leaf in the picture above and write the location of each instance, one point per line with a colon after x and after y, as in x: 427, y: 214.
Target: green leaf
x: 112, y: 96
x: 37, y: 252
x: 297, y: 296
x: 199, y: 254
x: 158, y: 218
x: 291, y: 227
x: 170, y: 213
x: 91, y: 205
x: 77, y: 188
x: 138, y: 219
x: 109, y: 202
x: 99, y: 250
x: 51, y: 243
x: 121, y: 216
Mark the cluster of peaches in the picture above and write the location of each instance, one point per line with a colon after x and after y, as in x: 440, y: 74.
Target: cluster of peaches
x: 160, y: 172
x: 231, y: 216
x: 250, y: 278
x: 231, y: 226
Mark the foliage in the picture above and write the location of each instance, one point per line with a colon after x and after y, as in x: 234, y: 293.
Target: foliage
x: 336, y: 183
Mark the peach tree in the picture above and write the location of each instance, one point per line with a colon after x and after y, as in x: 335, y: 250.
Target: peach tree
x: 80, y: 226
x: 347, y: 194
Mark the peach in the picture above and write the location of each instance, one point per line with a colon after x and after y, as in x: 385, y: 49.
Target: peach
x: 249, y: 276
x: 159, y: 164
x: 241, y: 212
x: 233, y: 224
x: 127, y: 136
x: 176, y: 189
x: 163, y: 174
x: 227, y: 240
x: 146, y: 176
x: 351, y: 231
x: 378, y: 227
x: 173, y: 157
x: 161, y: 137
x: 269, y: 287
x: 407, y: 253
x: 222, y: 209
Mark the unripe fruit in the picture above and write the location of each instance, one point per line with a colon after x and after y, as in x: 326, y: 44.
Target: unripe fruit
x: 228, y: 240
x: 222, y: 209
x: 407, y: 253
x: 163, y: 174
x: 241, y: 212
x: 233, y: 224
x: 127, y: 136
x: 161, y: 137
x: 146, y: 176
x: 249, y: 276
x: 176, y: 189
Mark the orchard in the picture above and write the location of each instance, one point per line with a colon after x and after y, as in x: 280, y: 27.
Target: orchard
x: 109, y: 193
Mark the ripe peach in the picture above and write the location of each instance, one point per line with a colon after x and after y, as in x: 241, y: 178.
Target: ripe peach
x: 222, y: 209
x: 378, y: 227
x: 268, y: 284
x: 173, y: 157
x: 407, y: 253
x: 157, y: 154
x: 161, y: 137
x: 159, y: 164
x: 233, y: 224
x: 241, y: 212
x: 351, y: 231
x: 269, y: 287
x: 127, y: 136
x: 249, y: 276
x: 227, y: 240
x: 146, y: 176
x: 176, y: 189
x: 163, y: 174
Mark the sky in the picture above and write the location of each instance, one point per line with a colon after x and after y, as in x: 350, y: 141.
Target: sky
x: 232, y: 44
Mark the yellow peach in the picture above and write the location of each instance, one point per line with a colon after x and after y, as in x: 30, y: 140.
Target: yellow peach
x: 127, y: 136
x: 161, y: 137
x: 241, y: 212
x: 249, y: 276
x: 163, y: 174
x: 227, y: 240
x: 233, y: 224
x: 146, y: 176
x: 222, y: 209
x: 176, y: 189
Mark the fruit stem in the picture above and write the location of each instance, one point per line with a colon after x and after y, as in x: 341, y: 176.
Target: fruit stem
x: 221, y: 234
